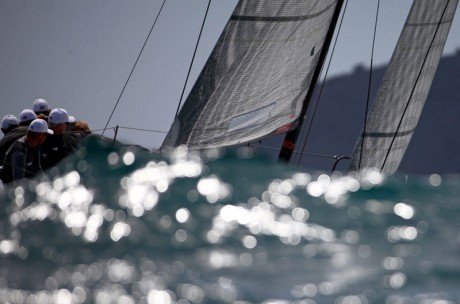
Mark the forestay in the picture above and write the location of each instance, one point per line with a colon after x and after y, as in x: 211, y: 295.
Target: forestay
x: 257, y: 76
x: 404, y: 89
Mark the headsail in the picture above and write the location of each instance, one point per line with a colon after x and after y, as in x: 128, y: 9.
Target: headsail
x: 404, y: 89
x: 257, y: 76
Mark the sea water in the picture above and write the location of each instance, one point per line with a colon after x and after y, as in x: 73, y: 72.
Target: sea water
x: 113, y: 224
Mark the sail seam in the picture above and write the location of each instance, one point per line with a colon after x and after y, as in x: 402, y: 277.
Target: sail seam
x: 282, y: 19
x: 389, y: 134
x: 429, y: 23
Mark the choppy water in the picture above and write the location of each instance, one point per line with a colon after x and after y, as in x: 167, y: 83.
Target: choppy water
x: 115, y: 225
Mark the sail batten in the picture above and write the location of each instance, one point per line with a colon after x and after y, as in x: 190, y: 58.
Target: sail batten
x: 404, y: 89
x: 257, y: 76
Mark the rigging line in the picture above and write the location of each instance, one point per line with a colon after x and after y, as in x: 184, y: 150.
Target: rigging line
x: 301, y: 120
x: 144, y: 130
x: 322, y: 85
x: 363, y: 136
x: 193, y: 58
x: 305, y: 116
x: 415, y: 85
x: 102, y: 129
x: 297, y: 152
x: 126, y: 128
x: 134, y: 66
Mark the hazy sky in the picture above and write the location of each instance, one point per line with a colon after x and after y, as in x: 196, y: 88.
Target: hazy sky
x: 78, y: 54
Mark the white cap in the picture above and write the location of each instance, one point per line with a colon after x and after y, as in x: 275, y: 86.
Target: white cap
x: 59, y: 116
x: 39, y: 126
x: 9, y: 121
x: 41, y: 105
x: 71, y: 118
x: 27, y: 115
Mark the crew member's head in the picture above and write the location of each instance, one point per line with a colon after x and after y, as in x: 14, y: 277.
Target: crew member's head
x: 71, y: 123
x: 26, y: 117
x: 41, y: 106
x: 82, y: 127
x: 36, y: 134
x: 9, y: 122
x: 58, y: 120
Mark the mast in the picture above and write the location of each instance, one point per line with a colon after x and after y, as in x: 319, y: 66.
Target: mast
x: 290, y: 140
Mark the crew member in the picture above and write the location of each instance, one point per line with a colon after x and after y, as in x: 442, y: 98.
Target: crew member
x: 81, y: 130
x: 9, y: 123
x: 60, y: 144
x: 71, y: 124
x: 22, y: 159
x: 42, y: 108
x: 10, y: 138
x: 26, y: 117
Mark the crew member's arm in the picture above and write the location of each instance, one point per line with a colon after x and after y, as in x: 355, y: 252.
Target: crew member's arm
x: 18, y: 164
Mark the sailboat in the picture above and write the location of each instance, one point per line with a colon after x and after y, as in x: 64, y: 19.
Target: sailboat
x: 261, y: 76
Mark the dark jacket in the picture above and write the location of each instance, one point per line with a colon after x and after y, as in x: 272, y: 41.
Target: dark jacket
x: 8, y: 130
x: 56, y: 148
x: 9, y: 139
x: 21, y: 161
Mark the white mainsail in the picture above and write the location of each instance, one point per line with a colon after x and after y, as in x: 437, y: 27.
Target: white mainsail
x: 258, y: 75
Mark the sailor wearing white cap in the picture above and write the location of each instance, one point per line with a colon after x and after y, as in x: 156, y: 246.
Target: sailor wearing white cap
x: 26, y: 117
x: 22, y: 159
x: 58, y: 120
x: 41, y: 106
x: 61, y: 144
x: 71, y: 118
x: 71, y: 123
x: 9, y: 122
x: 39, y: 126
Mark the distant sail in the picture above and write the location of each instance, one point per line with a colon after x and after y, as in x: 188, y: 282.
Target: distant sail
x: 404, y: 89
x: 257, y: 76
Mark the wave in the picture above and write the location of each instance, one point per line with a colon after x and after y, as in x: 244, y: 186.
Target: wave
x: 116, y: 224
